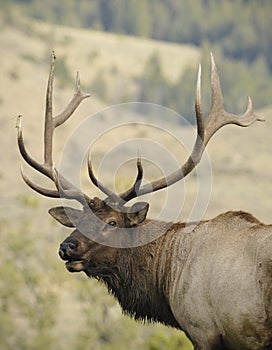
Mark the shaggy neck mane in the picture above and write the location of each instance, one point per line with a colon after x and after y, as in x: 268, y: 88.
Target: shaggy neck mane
x: 139, y: 280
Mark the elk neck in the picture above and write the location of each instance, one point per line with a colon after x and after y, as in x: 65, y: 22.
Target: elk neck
x: 141, y: 276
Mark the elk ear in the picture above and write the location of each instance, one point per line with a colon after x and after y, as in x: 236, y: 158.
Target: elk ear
x: 66, y: 216
x: 137, y: 213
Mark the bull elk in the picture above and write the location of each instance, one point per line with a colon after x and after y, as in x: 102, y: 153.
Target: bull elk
x: 214, y: 282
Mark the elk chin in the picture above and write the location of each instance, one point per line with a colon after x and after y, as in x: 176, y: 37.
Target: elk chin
x: 75, y: 266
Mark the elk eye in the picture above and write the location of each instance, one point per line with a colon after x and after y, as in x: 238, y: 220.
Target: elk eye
x: 112, y: 223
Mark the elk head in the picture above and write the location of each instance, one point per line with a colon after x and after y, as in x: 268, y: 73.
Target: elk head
x: 107, y: 218
x: 100, y: 228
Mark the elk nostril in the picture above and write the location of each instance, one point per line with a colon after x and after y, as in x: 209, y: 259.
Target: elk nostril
x: 72, y: 245
x: 67, y: 245
x: 66, y: 249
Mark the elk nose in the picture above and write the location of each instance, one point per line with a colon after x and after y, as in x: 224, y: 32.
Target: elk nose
x: 64, y: 249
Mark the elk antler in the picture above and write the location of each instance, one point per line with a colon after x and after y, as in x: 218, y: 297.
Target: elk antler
x: 217, y: 118
x: 63, y: 186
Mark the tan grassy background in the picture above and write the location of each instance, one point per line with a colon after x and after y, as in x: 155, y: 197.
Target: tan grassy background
x: 241, y: 158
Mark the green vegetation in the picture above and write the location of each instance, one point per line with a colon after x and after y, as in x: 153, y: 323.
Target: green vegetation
x: 168, y: 341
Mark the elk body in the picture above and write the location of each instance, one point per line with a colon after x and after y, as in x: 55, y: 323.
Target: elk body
x: 213, y: 281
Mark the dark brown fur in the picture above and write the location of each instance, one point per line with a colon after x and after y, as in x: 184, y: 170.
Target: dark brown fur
x: 135, y: 276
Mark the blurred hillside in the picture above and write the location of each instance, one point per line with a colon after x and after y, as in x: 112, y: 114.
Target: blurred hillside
x: 42, y: 306
x: 241, y: 27
x: 236, y: 31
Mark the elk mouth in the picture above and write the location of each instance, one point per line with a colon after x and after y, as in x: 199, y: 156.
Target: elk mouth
x: 68, y: 253
x: 75, y: 265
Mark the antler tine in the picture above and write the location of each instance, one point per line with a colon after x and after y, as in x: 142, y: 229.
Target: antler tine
x: 193, y: 159
x: 67, y: 189
x: 218, y: 117
x: 198, y: 107
x: 133, y: 191
x: 198, y: 146
x: 43, y: 191
x: 32, y: 162
x: 72, y: 105
x: 96, y: 182
x: 48, y: 120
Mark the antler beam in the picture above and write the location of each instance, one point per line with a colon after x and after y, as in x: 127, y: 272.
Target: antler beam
x: 217, y: 118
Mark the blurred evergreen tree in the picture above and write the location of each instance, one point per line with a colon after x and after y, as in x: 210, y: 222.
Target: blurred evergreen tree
x: 241, y: 28
x: 238, y: 30
x: 152, y: 85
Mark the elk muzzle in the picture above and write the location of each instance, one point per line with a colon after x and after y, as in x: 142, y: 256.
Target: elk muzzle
x: 69, y: 251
